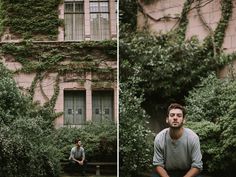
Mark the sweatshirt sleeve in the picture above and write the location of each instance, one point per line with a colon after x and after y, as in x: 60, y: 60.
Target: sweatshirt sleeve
x: 71, y: 154
x: 158, y: 157
x: 196, y: 154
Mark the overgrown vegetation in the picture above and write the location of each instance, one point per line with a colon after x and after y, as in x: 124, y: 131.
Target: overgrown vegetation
x: 165, y: 68
x: 99, y: 141
x: 25, y: 145
x: 29, y: 144
x: 45, y: 58
x: 135, y: 138
x: 211, y: 111
x: 30, y: 19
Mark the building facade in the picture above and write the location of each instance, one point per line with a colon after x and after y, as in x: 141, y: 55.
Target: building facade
x: 203, y: 19
x: 76, y: 69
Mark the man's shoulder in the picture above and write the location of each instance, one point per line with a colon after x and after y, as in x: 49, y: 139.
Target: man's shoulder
x: 73, y: 149
x: 190, y: 133
x: 162, y: 133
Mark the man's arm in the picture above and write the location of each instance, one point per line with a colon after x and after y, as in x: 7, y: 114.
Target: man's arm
x: 83, y: 157
x: 72, y: 157
x: 192, y: 172
x: 158, y: 157
x: 196, y: 159
x: 161, y: 171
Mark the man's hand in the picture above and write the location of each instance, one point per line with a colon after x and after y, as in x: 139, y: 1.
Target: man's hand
x: 80, y: 162
x: 192, y: 172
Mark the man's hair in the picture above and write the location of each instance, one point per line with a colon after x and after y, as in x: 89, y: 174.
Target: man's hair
x: 76, y: 141
x: 176, y: 106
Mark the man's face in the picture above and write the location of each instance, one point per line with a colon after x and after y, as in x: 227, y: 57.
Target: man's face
x: 175, y: 118
x: 78, y: 143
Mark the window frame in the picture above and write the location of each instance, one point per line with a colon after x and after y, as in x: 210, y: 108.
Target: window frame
x: 99, y: 13
x: 74, y: 13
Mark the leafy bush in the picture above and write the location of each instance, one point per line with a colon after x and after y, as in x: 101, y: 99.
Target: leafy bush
x: 211, y: 108
x: 211, y: 99
x: 166, y: 60
x: 99, y: 141
x: 25, y: 145
x: 136, y: 141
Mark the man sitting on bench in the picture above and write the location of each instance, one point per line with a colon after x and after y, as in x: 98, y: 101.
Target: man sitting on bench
x: 77, y: 158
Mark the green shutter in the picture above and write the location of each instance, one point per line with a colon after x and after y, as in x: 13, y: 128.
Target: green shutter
x: 102, y: 105
x: 74, y: 107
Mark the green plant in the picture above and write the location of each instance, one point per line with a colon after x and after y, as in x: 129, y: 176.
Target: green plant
x: 45, y: 58
x: 211, y: 110
x: 136, y: 141
x: 25, y: 145
x: 98, y: 139
x: 30, y: 19
x: 167, y: 66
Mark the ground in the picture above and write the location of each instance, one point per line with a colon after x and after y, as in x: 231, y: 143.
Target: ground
x: 86, y: 176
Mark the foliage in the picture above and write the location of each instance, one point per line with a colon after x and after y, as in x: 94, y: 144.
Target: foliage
x: 136, y: 141
x: 211, y: 99
x: 211, y: 108
x: 219, y: 34
x: 30, y: 18
x: 127, y: 9
x: 41, y: 57
x: 99, y: 141
x: 167, y: 66
x: 44, y: 58
x: 25, y: 146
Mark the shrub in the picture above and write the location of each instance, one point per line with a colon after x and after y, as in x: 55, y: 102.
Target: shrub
x: 136, y: 141
x: 211, y: 108
x: 25, y: 146
x: 98, y: 139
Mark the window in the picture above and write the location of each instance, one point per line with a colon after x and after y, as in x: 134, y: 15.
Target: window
x: 102, y: 105
x: 99, y: 19
x: 74, y: 107
x: 74, y: 20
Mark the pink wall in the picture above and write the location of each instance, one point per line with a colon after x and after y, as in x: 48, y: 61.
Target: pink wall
x: 164, y: 14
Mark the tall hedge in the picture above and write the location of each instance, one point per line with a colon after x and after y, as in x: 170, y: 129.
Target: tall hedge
x: 25, y: 145
x: 211, y: 109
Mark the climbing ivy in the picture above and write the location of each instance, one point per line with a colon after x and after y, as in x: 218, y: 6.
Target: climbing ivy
x: 64, y: 58
x: 183, y: 22
x: 219, y: 33
x: 30, y: 19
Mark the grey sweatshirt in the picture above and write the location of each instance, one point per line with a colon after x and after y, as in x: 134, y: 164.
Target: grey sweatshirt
x: 181, y: 154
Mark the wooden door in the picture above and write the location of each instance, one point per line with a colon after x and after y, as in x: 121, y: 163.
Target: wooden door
x: 74, y: 107
x: 102, y: 105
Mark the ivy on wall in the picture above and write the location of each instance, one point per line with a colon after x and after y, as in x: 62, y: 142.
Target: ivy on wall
x: 218, y: 36
x: 62, y: 58
x: 30, y: 18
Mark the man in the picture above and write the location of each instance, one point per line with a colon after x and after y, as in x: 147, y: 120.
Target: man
x: 77, y: 157
x: 177, y: 149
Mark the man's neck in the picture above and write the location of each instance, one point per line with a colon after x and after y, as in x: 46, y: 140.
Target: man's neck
x: 176, y: 133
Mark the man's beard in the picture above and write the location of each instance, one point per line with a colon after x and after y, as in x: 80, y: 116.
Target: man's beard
x: 177, y: 126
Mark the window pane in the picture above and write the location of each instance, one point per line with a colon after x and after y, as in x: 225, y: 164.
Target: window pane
x: 68, y: 26
x: 94, y: 24
x: 105, y: 30
x: 103, y: 6
x: 79, y: 7
x: 94, y: 7
x: 68, y: 7
x: 79, y: 27
x: 74, y: 21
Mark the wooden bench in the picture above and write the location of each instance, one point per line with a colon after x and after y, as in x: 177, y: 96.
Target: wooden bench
x: 99, y: 164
